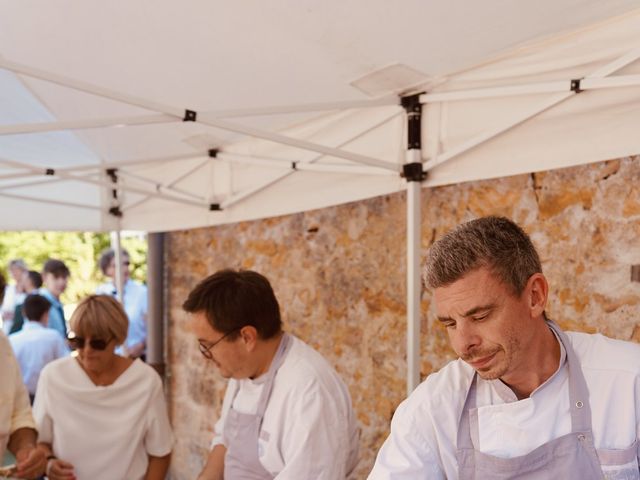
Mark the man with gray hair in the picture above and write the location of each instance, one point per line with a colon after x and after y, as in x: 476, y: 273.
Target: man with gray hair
x: 525, y: 399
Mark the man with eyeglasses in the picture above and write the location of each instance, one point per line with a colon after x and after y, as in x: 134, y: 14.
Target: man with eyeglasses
x: 286, y: 412
x: 134, y: 301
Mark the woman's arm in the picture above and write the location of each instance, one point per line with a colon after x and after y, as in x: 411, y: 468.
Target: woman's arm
x: 158, y: 467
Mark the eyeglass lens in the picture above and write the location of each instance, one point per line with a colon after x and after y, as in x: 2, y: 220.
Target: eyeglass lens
x: 78, y: 343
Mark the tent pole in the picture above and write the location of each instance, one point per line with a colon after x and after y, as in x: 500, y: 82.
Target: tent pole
x: 155, y: 282
x: 413, y: 172
x: 117, y: 249
x: 39, y: 127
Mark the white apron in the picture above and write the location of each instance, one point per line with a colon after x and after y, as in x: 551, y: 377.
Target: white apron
x: 242, y: 430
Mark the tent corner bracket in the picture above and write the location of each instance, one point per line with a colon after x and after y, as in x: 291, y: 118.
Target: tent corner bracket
x: 413, y: 172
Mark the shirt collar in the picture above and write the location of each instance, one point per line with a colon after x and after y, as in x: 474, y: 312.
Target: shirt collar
x: 32, y: 325
x: 507, y: 395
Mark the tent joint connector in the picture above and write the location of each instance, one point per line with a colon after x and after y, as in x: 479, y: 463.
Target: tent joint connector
x: 215, y: 207
x: 413, y: 172
x: 575, y: 85
x: 213, y: 152
x: 189, y: 116
x: 411, y: 103
x: 294, y: 165
x: 50, y: 172
x: 413, y: 107
x: 112, y: 173
x: 116, y: 212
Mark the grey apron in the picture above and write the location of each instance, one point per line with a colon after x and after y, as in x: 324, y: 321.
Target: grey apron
x: 572, y: 456
x: 242, y: 430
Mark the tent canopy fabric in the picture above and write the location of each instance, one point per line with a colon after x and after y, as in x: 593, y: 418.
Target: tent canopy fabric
x: 293, y: 105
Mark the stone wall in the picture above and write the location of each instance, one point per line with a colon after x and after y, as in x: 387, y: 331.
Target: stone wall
x: 339, y: 274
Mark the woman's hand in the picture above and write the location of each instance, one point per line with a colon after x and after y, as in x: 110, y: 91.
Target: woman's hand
x: 60, y: 470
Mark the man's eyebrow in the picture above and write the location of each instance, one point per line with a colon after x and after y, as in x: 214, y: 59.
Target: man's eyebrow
x: 468, y: 313
x: 480, y: 308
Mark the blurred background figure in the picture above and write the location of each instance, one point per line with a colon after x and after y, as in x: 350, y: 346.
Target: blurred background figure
x: 17, y: 428
x: 36, y: 345
x: 55, y: 276
x: 13, y: 293
x: 102, y: 415
x: 134, y: 300
x: 31, y: 283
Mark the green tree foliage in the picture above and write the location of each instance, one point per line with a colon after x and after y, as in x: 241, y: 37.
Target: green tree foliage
x: 79, y: 250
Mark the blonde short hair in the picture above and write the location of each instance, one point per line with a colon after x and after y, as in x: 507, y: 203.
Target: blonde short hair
x: 100, y: 316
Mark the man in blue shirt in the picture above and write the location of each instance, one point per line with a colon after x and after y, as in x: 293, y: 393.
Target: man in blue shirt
x: 55, y: 276
x: 36, y: 345
x: 134, y: 301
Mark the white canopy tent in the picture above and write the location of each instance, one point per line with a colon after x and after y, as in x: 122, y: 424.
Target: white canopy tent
x: 158, y: 115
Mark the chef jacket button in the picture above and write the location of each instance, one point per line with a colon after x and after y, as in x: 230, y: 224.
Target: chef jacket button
x: 581, y: 437
x: 579, y: 404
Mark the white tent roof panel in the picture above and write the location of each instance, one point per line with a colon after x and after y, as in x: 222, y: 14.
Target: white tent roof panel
x: 149, y: 61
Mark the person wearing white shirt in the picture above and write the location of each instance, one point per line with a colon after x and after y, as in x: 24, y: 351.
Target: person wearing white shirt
x: 17, y: 428
x: 286, y: 413
x: 13, y: 293
x: 134, y: 300
x: 36, y: 345
x: 525, y: 399
x: 99, y: 415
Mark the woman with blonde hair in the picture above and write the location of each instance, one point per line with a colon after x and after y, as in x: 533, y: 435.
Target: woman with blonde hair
x: 101, y: 416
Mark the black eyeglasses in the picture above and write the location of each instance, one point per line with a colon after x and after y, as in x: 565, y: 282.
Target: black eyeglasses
x: 206, y: 351
x: 78, y: 343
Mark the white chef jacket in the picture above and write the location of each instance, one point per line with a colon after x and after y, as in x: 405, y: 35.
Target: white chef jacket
x: 309, y: 428
x: 15, y: 411
x: 105, y: 432
x: 422, y: 442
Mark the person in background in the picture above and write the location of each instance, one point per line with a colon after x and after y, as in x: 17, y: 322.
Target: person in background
x: 286, y: 413
x: 17, y: 428
x: 55, y: 275
x: 525, y: 399
x: 101, y: 416
x: 13, y: 293
x: 134, y: 300
x: 31, y: 283
x: 36, y: 345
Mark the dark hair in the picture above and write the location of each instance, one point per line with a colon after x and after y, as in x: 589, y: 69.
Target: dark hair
x: 3, y: 284
x: 106, y: 256
x: 35, y: 306
x: 233, y: 299
x: 56, y: 267
x: 494, y: 242
x: 35, y: 278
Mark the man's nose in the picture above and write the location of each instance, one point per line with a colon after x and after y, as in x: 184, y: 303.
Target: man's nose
x: 465, y: 338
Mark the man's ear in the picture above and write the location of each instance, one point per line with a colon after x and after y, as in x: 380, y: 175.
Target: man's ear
x: 249, y: 336
x: 537, y: 292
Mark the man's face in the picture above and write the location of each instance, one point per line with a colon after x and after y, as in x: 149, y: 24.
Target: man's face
x: 55, y: 284
x: 230, y: 356
x: 111, y: 269
x: 17, y: 273
x: 488, y: 325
